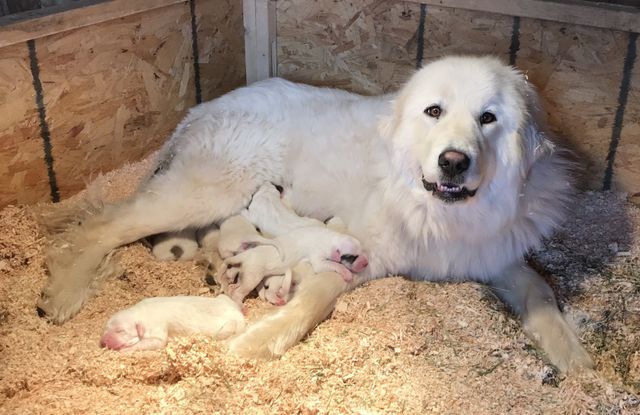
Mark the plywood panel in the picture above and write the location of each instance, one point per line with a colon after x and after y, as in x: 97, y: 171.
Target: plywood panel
x: 363, y: 46
x: 626, y: 172
x: 34, y: 24
x: 114, y: 91
x: 456, y: 31
x: 578, y: 71
x: 23, y: 174
x: 221, y: 46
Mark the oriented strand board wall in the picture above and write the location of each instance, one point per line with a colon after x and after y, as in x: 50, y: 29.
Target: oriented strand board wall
x: 23, y: 173
x: 360, y: 45
x: 112, y: 92
x: 371, y: 47
x: 220, y: 45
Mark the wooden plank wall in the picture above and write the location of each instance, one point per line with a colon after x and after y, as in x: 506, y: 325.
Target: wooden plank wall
x: 110, y: 93
x: 372, y: 46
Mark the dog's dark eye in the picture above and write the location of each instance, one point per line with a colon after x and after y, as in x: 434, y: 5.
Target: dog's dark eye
x: 434, y: 111
x: 487, y: 118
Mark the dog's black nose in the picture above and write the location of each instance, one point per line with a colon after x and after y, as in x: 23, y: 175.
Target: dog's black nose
x: 453, y: 163
x: 348, y: 258
x: 41, y: 312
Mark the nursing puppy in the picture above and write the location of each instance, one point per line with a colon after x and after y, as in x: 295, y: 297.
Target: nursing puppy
x: 304, y: 237
x: 174, y: 246
x: 279, y: 289
x: 148, y: 324
x: 276, y: 289
x: 326, y: 250
x: 237, y: 234
x: 452, y: 178
x: 268, y: 212
x: 299, y: 239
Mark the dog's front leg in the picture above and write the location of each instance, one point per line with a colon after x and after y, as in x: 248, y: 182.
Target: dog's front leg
x: 272, y: 336
x: 531, y: 298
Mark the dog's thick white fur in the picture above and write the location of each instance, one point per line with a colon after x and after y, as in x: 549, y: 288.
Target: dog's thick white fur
x: 376, y: 163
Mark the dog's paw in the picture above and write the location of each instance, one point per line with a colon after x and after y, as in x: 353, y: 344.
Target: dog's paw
x: 58, y: 306
x: 558, y: 340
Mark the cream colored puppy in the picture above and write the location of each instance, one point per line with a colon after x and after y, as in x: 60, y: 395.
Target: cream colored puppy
x: 300, y: 239
x: 237, y: 234
x: 148, y: 324
x: 277, y: 289
x: 325, y: 249
x: 268, y: 212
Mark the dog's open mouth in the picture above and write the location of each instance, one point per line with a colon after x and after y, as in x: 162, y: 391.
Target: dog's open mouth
x: 448, y: 192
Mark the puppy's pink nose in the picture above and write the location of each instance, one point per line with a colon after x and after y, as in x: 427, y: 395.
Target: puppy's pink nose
x: 360, y: 263
x: 110, y: 341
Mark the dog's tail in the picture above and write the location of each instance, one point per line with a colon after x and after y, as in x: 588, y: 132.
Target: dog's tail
x: 272, y: 336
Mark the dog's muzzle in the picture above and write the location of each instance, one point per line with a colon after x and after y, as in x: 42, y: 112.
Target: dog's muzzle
x: 453, y: 164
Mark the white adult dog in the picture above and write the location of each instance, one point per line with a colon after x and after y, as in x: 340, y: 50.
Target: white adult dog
x: 452, y: 178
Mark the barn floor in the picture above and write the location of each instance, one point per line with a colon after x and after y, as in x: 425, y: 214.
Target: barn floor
x: 391, y: 346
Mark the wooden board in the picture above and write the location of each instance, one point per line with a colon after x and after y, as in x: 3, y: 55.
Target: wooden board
x: 23, y: 174
x: 577, y: 70
x: 363, y: 46
x: 119, y: 95
x: 593, y: 13
x: 456, y: 31
x: 113, y: 91
x: 626, y: 172
x: 15, y: 29
x: 221, y: 46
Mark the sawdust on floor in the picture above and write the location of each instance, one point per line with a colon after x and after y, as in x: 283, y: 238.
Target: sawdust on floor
x: 391, y: 346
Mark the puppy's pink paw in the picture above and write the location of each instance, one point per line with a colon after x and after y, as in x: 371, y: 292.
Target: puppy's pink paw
x: 345, y: 274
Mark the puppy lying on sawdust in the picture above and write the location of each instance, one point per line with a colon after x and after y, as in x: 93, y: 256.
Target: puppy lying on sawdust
x: 148, y: 324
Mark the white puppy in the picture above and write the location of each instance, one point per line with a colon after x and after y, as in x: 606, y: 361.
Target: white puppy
x: 277, y: 289
x: 174, y: 246
x: 268, y: 212
x: 303, y: 236
x: 325, y: 249
x: 299, y: 238
x: 237, y: 234
x: 148, y: 324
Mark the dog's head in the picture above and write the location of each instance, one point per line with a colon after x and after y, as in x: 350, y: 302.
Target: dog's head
x: 463, y: 126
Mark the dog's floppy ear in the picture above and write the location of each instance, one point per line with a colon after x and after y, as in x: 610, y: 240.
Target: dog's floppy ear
x: 536, y: 141
x: 388, y: 124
